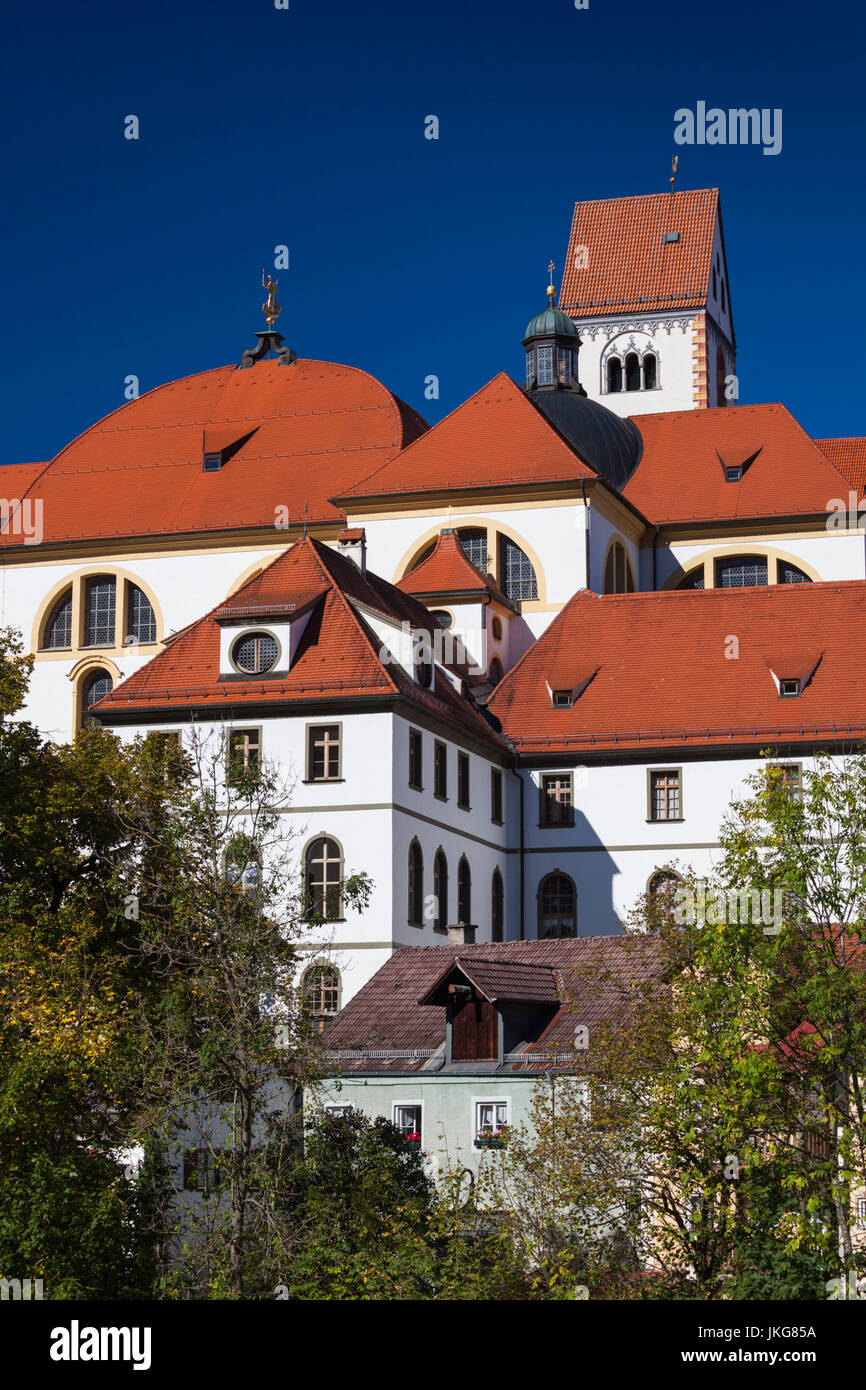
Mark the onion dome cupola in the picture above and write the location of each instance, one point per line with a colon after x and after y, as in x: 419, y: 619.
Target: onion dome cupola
x: 610, y: 444
x: 552, y: 343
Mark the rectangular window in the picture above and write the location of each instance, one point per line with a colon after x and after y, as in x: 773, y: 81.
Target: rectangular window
x: 463, y: 781
x: 440, y: 770
x: 99, y: 612
x: 415, y: 759
x: 789, y: 690
x: 200, y: 1169
x: 792, y: 779
x: 323, y: 753
x: 245, y: 754
x: 490, y: 1116
x: 339, y: 1112
x: 665, y: 794
x: 557, y: 801
x: 861, y: 1213
x: 496, y: 796
x: 407, y: 1118
x: 545, y: 365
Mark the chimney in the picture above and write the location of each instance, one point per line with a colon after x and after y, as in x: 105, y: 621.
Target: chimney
x: 352, y: 541
x: 461, y: 935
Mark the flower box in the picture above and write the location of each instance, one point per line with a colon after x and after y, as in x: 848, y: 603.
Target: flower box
x: 486, y: 1139
x: 413, y: 1140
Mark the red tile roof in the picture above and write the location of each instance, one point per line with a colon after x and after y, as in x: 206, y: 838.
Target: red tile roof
x: 629, y: 266
x: 495, y: 438
x: 385, y: 1015
x: 680, y: 477
x: 15, y: 478
x: 849, y: 456
x: 318, y: 428
x: 514, y: 981
x: 448, y: 570
x: 665, y: 680
x: 338, y: 656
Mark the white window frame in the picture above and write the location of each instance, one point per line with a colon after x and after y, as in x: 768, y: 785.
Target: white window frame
x: 478, y: 1101
x: 409, y: 1105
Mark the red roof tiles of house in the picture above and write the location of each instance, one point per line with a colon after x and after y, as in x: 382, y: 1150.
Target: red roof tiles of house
x: 309, y: 430
x: 448, y: 570
x: 628, y: 265
x: 666, y: 677
x: 386, y: 1015
x: 496, y: 438
x: 849, y: 456
x: 339, y: 655
x: 681, y: 476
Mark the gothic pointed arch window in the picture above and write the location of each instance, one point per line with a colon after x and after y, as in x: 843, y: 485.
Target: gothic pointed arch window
x: 416, y: 885
x: 96, y: 684
x: 614, y: 374
x: 650, y: 371
x: 618, y: 574
x: 557, y: 906
x: 440, y: 890
x: 632, y: 372
x: 720, y: 377
x: 497, y: 907
x: 464, y: 892
x: 323, y: 878
x: 58, y: 627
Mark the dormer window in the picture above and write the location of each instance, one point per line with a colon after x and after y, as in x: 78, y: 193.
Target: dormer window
x: 734, y: 474
x: 212, y: 463
x: 562, y: 699
x: 789, y: 689
x: 255, y: 653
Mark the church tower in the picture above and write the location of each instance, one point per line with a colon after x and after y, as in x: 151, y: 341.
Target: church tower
x: 646, y: 285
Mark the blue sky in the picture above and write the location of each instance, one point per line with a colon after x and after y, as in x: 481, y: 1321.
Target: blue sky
x: 305, y: 127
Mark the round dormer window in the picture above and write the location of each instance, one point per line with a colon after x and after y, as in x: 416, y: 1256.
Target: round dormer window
x: 255, y: 653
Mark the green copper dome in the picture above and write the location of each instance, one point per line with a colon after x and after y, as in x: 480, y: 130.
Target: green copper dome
x: 549, y: 323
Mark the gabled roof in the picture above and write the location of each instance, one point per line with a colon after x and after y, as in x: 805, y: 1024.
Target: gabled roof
x: 681, y: 478
x: 315, y: 428
x: 849, y: 456
x: 515, y: 982
x: 667, y: 677
x: 386, y: 1015
x: 494, y: 439
x: 338, y: 656
x: 448, y: 570
x: 629, y: 267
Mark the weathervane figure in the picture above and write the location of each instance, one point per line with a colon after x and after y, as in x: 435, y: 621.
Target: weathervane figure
x: 272, y: 307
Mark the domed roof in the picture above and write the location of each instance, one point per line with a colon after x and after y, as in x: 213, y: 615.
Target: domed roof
x: 288, y: 437
x: 548, y: 323
x: 607, y: 442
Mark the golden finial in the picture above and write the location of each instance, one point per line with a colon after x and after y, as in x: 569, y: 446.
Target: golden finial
x: 551, y: 289
x: 272, y: 307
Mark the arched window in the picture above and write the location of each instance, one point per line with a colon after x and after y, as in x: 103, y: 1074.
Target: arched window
x: 440, y: 890
x: 557, y: 903
x: 474, y: 542
x: 618, y: 576
x: 97, y: 684
x: 632, y: 372
x: 496, y: 628
x: 720, y: 377
x: 321, y: 994
x: 693, y: 580
x: 141, y: 619
x: 496, y: 671
x: 790, y: 574
x: 517, y: 576
x: 58, y: 629
x: 741, y: 571
x: 662, y: 889
x: 416, y: 885
x: 464, y: 892
x: 649, y: 371
x: 442, y: 617
x: 614, y: 374
x: 243, y: 863
x: 497, y: 903
x: 323, y: 874
x: 99, y: 599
